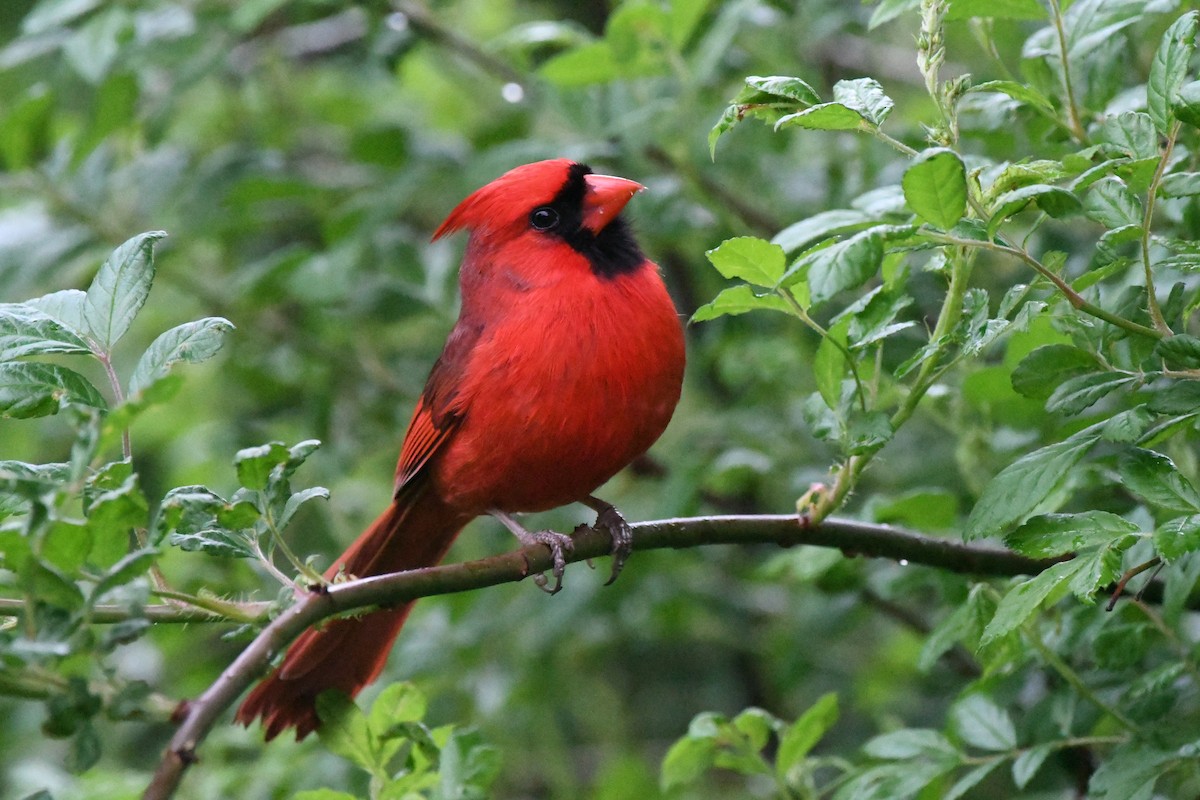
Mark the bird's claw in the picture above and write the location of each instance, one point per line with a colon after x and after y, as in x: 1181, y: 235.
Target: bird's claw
x: 559, y: 544
x: 610, y: 519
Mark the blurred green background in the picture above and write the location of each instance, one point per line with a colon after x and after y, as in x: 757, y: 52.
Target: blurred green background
x: 300, y: 154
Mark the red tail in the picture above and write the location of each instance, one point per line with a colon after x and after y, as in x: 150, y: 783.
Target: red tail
x: 348, y: 654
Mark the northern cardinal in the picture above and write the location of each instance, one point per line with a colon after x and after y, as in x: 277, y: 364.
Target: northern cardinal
x: 565, y: 364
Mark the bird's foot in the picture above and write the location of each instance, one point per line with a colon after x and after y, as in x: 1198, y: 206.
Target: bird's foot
x: 610, y: 519
x: 559, y: 544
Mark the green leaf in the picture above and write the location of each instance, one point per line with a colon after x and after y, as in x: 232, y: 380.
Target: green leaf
x: 33, y: 389
x: 1187, y: 109
x: 1178, y: 397
x: 1021, y: 92
x: 739, y: 300
x: 1054, y: 200
x: 1180, y: 351
x: 27, y: 331
x: 344, y: 730
x: 981, y: 723
x: 132, y: 566
x: 829, y: 364
x: 785, y: 87
x: 935, y: 187
x: 120, y: 288
x: 1180, y: 184
x: 254, y: 464
x: 65, y: 307
x: 824, y: 225
x: 1022, y: 487
x: 865, y: 96
x: 969, y: 781
x: 747, y: 258
x: 1177, y: 537
x: 48, y: 584
x: 1128, y: 773
x: 1110, y: 203
x: 1169, y: 68
x: 298, y: 499
x: 910, y: 743
x: 823, y: 117
x: 1050, y: 535
x: 867, y: 432
x: 843, y: 265
x: 1026, y: 765
x: 1076, y: 394
x: 192, y: 342
x: 803, y: 734
x: 112, y: 516
x: 686, y: 760
x: 1130, y: 133
x: 1020, y: 603
x: 1044, y: 369
x: 1155, y: 478
x: 399, y: 702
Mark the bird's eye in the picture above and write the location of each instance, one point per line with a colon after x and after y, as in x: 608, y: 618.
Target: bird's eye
x: 543, y: 218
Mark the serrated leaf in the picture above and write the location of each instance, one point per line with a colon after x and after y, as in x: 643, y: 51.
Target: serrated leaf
x: 1154, y: 477
x: 739, y: 300
x: 1177, y: 537
x: 1021, y: 487
x: 1054, y: 200
x: 65, y: 307
x: 47, y: 584
x: 1026, y: 765
x: 120, y: 288
x: 1040, y: 372
x: 1050, y: 535
x: 399, y: 702
x: 344, y: 729
x: 298, y: 499
x: 865, y: 96
x: 1130, y: 133
x: 1024, y: 599
x: 127, y: 569
x: 935, y: 187
x: 1168, y: 70
x: 823, y: 117
x: 254, y: 464
x: 829, y: 364
x: 980, y: 722
x: 841, y: 266
x: 1128, y: 773
x: 785, y: 87
x: 1178, y: 397
x: 803, y: 734
x: 1021, y: 92
x: 1180, y: 184
x: 1074, y: 395
x: 750, y: 259
x: 28, y: 331
x: 1180, y: 351
x: 810, y: 230
x: 1110, y: 203
x: 191, y: 342
x: 686, y: 761
x: 910, y: 743
x: 33, y: 389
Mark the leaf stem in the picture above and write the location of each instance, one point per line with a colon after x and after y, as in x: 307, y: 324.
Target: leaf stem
x: 1076, y: 124
x: 1073, y: 297
x: 1055, y: 662
x: 1152, y: 306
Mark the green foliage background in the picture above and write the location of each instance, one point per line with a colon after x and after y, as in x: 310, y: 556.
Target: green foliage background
x: 943, y: 249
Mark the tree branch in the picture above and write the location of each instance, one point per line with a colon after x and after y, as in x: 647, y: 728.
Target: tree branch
x: 853, y: 538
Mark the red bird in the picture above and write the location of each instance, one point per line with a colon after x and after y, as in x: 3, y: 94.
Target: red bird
x: 565, y: 364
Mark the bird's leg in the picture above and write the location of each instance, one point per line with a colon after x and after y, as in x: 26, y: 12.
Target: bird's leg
x: 559, y: 544
x: 610, y: 519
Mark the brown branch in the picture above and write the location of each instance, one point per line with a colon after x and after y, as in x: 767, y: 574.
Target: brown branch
x: 854, y: 538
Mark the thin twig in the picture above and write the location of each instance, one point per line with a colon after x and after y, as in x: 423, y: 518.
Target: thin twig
x: 855, y: 538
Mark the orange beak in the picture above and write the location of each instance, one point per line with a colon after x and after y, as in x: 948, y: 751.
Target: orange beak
x: 606, y: 196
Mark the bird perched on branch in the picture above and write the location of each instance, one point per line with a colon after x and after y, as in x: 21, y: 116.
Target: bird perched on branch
x: 565, y: 364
